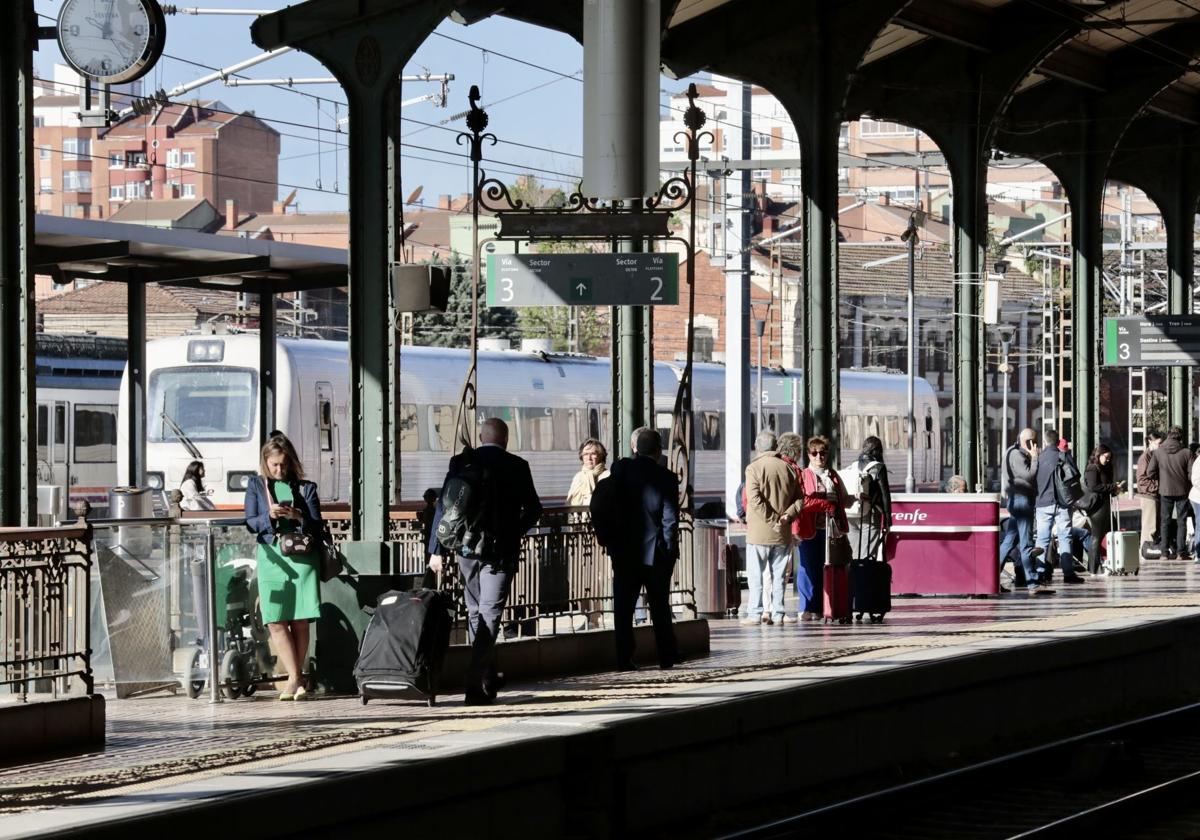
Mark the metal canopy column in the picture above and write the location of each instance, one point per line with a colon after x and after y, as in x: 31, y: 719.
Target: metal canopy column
x: 365, y: 46
x: 968, y: 176
x: 266, y: 362
x: 1178, y: 217
x: 18, y: 494
x: 1086, y: 194
x: 135, y: 382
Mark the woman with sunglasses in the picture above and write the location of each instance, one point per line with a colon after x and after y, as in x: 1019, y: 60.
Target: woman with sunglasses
x: 825, y: 503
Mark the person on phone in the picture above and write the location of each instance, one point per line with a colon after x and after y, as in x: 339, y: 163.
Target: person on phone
x: 1100, y: 487
x: 1020, y: 466
x: 281, y: 501
x: 195, y: 497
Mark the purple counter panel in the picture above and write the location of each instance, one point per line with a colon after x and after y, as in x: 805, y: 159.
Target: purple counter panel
x: 945, y: 544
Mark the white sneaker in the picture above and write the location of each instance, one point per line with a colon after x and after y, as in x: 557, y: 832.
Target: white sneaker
x: 789, y: 619
x: 749, y: 622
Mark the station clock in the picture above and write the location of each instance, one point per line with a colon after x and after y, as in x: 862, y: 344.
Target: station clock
x: 111, y: 41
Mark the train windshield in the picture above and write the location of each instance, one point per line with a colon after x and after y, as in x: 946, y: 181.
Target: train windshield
x: 206, y: 403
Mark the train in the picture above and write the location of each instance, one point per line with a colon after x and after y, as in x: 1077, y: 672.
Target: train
x: 202, y: 404
x: 78, y: 378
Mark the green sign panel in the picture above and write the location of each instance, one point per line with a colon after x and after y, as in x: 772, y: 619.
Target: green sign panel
x: 582, y: 279
x: 1149, y: 340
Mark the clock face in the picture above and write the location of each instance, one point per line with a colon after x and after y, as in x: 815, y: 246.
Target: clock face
x: 111, y: 40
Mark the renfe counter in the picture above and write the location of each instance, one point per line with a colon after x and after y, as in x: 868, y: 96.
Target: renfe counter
x: 945, y: 544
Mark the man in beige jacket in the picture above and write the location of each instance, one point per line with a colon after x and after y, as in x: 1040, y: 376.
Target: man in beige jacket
x: 773, y: 498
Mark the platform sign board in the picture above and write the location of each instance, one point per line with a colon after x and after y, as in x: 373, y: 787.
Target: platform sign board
x: 582, y: 279
x: 1149, y: 340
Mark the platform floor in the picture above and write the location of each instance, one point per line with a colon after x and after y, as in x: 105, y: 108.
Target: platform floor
x: 165, y: 751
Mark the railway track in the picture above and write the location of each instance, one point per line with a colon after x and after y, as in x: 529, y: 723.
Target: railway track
x: 1138, y: 779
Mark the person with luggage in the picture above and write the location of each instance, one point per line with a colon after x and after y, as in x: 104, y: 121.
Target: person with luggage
x: 823, y: 511
x: 870, y: 519
x: 490, y: 547
x: 1147, y: 493
x: 1053, y: 509
x: 1021, y: 468
x: 772, y: 493
x: 1171, y: 466
x: 1194, y: 500
x: 637, y: 522
x: 279, y: 502
x: 594, y: 459
x: 1096, y: 505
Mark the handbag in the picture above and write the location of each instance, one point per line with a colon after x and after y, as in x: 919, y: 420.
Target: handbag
x: 837, y: 548
x: 331, y: 559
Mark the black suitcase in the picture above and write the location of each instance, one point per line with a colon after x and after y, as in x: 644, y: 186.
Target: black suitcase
x: 404, y: 646
x: 870, y: 589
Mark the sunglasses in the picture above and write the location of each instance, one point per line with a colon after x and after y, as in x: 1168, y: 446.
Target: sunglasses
x: 821, y: 452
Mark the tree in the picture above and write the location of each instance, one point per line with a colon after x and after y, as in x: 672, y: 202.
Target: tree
x: 452, y: 328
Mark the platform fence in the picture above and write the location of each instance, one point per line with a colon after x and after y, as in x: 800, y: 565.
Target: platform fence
x: 45, y: 642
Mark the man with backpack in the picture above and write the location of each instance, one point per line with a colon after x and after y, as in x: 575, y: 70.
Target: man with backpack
x: 1020, y: 472
x: 487, y: 504
x: 1059, y: 486
x: 1171, y: 466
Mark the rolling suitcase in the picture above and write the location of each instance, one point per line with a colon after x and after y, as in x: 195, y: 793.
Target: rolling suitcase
x: 836, y: 594
x: 1124, y: 549
x: 870, y: 582
x: 404, y: 646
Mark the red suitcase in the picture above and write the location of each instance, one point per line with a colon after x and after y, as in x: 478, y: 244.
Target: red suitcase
x: 837, y: 594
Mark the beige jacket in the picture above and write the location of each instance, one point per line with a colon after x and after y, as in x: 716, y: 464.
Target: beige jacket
x: 773, y: 497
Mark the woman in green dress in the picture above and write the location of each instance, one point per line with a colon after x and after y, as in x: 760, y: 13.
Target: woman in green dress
x: 282, y: 501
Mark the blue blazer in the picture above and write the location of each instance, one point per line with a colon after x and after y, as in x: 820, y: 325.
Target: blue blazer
x: 648, y: 508
x: 258, y: 510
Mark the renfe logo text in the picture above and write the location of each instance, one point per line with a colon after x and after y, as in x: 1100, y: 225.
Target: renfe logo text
x: 913, y: 516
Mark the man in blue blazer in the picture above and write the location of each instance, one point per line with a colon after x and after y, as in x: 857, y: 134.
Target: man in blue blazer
x: 643, y: 544
x: 488, y: 569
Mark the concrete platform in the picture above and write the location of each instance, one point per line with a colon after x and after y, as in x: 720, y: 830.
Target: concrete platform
x: 772, y: 711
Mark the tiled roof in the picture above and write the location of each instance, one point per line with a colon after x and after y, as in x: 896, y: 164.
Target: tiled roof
x: 205, y: 117
x: 158, y: 209
x: 106, y: 298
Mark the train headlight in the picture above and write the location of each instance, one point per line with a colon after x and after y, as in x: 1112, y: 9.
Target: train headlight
x: 206, y: 350
x: 239, y: 481
x: 155, y: 480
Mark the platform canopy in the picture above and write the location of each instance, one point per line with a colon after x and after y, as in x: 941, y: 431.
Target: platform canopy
x: 99, y: 250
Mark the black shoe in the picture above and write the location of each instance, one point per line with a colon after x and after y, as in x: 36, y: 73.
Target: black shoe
x: 478, y: 698
x: 1036, y: 552
x: 496, y: 683
x: 1005, y: 589
x: 626, y: 666
x: 1074, y: 579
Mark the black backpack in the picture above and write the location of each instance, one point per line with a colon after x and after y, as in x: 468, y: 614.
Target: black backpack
x: 467, y: 508
x: 1067, y: 483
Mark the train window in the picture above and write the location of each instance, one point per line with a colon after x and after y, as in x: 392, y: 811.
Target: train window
x: 594, y: 424
x: 712, y: 424
x: 783, y: 423
x: 574, y: 427
x: 60, y: 424
x: 409, y: 439
x: 441, y: 428
x: 95, y: 434
x: 894, y: 432
x: 537, y: 429
x: 43, y: 432
x: 852, y: 431
x: 206, y: 403
x: 871, y: 427
x: 325, y: 425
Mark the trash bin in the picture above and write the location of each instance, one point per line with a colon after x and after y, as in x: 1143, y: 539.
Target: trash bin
x: 132, y: 503
x: 709, y: 559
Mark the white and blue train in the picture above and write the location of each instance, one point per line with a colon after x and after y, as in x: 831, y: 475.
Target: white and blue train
x: 207, y: 388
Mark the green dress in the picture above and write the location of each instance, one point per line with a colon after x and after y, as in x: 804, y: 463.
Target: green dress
x: 289, y: 588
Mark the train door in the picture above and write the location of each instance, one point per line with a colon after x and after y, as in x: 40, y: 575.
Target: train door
x: 53, y: 453
x: 597, y: 423
x: 327, y: 476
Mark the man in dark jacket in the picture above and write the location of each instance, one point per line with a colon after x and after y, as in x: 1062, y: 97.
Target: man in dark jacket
x: 1171, y: 465
x: 645, y: 548
x: 487, y: 570
x: 1053, y: 511
x: 1147, y: 489
x: 1020, y: 468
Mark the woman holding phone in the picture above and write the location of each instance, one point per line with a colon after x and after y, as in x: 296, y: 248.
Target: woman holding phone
x: 279, y: 502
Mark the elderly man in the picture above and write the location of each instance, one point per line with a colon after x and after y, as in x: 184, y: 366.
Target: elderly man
x: 1020, y: 473
x: 772, y: 496
x: 511, y: 507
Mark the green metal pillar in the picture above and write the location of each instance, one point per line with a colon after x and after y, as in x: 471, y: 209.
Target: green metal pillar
x: 366, y: 47
x: 18, y: 488
x: 969, y: 214
x: 1086, y: 206
x: 266, y: 362
x: 135, y: 382
x: 630, y: 406
x: 1178, y: 218
x: 820, y: 205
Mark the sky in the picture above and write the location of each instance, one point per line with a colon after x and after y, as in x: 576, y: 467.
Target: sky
x: 527, y: 105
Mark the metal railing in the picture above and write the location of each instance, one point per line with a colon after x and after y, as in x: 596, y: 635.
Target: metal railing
x: 45, y: 641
